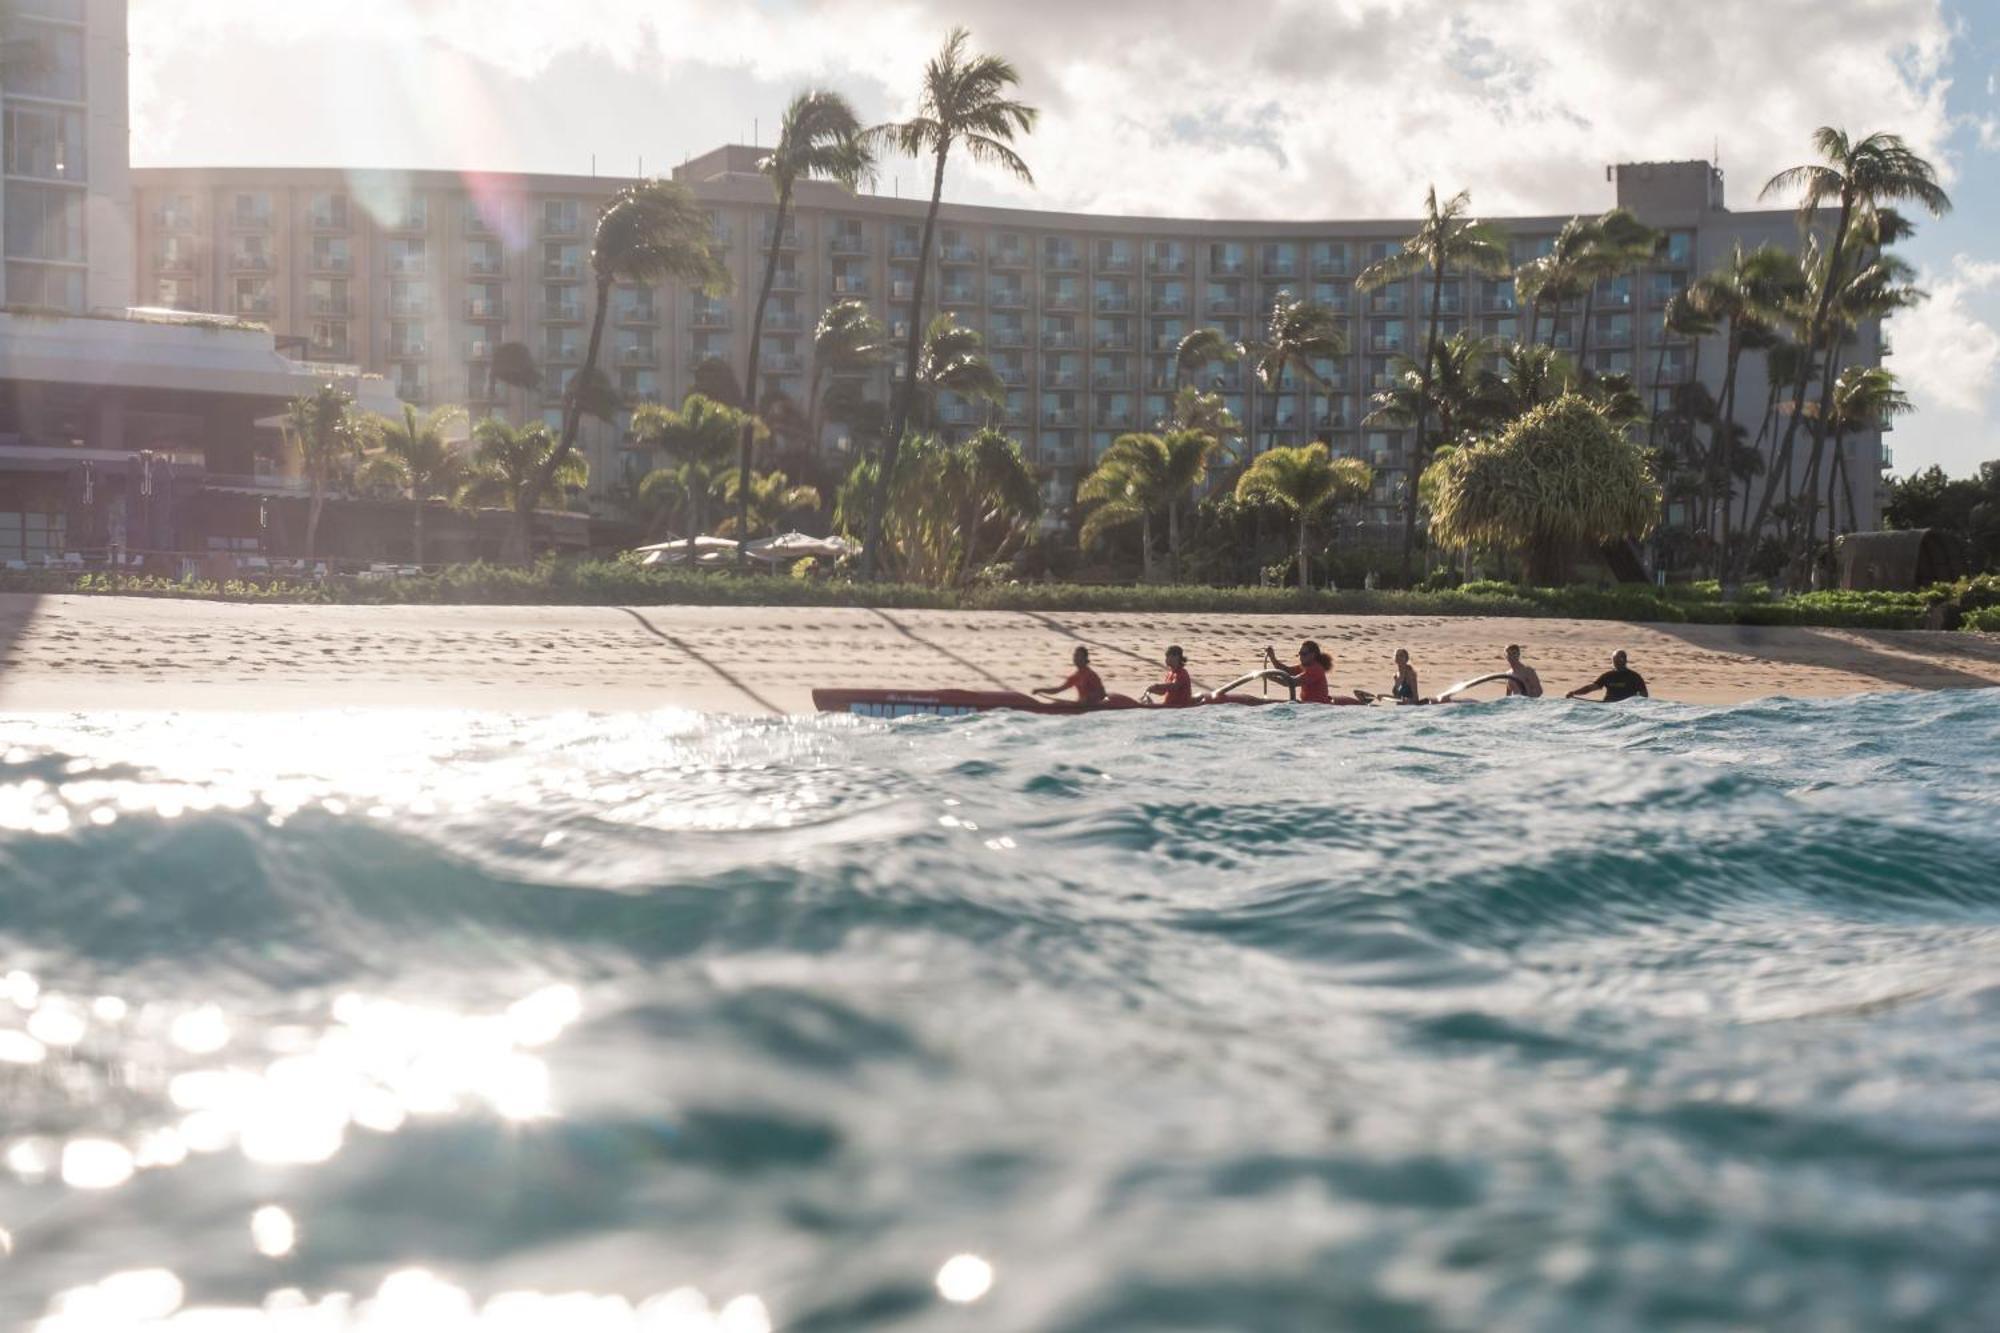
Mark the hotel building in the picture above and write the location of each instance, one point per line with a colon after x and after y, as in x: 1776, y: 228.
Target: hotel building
x: 421, y: 276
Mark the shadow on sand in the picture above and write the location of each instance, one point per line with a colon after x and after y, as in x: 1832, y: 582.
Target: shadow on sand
x: 17, y: 612
x: 1910, y: 659
x: 721, y: 673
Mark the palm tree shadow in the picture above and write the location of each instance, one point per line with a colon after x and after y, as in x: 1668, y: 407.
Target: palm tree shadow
x: 1910, y: 659
x: 727, y: 677
x: 17, y: 612
x: 942, y: 651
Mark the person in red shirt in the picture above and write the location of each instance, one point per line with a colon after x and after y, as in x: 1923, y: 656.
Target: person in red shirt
x: 1308, y: 681
x: 1088, y: 685
x: 1177, y: 690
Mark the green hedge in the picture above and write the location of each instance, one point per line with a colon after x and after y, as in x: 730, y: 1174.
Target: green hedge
x: 1972, y: 603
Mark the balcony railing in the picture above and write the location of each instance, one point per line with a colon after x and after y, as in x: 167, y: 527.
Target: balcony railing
x: 408, y: 351
x: 1225, y: 305
x: 563, y: 224
x: 254, y: 305
x: 1166, y: 265
x: 325, y: 263
x: 1007, y: 298
x: 959, y: 254
x: 409, y: 308
x: 850, y: 286
x: 1007, y: 338
x: 1062, y: 300
x: 638, y: 356
x: 1059, y: 338
x: 789, y: 241
x: 713, y: 317
x: 1227, y: 268
x: 1111, y: 379
x: 484, y: 309
x: 904, y: 251
x: 174, y: 263
x: 848, y: 245
x: 480, y: 266
x: 1059, y: 379
x: 336, y: 307
x: 244, y: 262
x: 1007, y: 256
x: 1012, y: 376
x: 1113, y: 342
x: 636, y: 314
x: 786, y: 280
x: 173, y: 219
x: 322, y: 221
x: 781, y: 364
x: 1327, y: 266
x: 1112, y: 303
x: 562, y: 312
x: 1061, y: 261
x: 1280, y: 268
x: 1059, y: 416
x: 959, y: 296
x: 562, y: 270
x: 783, y: 321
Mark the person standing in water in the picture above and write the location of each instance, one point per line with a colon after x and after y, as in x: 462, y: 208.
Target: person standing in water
x: 1088, y: 685
x: 1525, y: 682
x: 1309, y: 679
x: 1619, y: 684
x: 1177, y: 690
x: 1405, y: 690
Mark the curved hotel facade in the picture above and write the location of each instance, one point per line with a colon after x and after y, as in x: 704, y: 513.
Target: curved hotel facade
x: 420, y: 276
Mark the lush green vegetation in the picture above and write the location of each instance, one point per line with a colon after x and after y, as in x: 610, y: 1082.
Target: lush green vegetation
x: 1969, y: 604
x: 1965, y: 509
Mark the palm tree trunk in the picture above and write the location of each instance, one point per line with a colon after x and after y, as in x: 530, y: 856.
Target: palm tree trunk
x: 871, y: 550
x: 1583, y: 342
x: 531, y: 494
x: 1146, y: 546
x: 1416, y: 454
x: 1725, y: 448
x: 1534, y: 321
x: 750, y: 379
x: 1659, y: 372
x: 312, y: 519
x: 418, y: 532
x: 1305, y: 579
x: 1820, y: 421
x: 1174, y: 538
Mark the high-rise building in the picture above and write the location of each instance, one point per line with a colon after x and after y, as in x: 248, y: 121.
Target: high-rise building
x: 423, y: 275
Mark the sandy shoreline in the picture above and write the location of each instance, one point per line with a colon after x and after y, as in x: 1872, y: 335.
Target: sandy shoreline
x: 88, y: 653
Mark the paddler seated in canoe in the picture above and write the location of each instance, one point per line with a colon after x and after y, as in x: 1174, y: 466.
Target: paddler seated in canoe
x: 1525, y: 682
x: 1619, y: 684
x: 1405, y: 690
x: 1088, y: 685
x: 1177, y: 690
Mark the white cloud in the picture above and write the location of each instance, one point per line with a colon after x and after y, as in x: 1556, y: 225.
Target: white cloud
x: 1297, y: 108
x: 1945, y: 353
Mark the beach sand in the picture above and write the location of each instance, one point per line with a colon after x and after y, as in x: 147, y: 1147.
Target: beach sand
x: 116, y: 653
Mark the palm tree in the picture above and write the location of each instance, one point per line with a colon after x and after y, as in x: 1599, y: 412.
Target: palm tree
x: 699, y: 437
x: 1865, y: 398
x: 648, y: 233
x: 819, y: 138
x: 1530, y: 375
x: 1863, y: 175
x: 1306, y: 480
x: 1619, y: 243
x: 511, y: 462
x: 1875, y: 292
x: 1743, y: 296
x: 417, y: 455
x: 964, y: 103
x: 1205, y: 414
x: 847, y: 340
x: 694, y: 486
x: 1142, y: 475
x: 1560, y: 477
x: 951, y: 507
x: 1447, y: 238
x: 773, y: 499
x: 327, y: 433
x: 1203, y: 347
x: 1557, y: 277
x: 514, y: 366
x: 1295, y: 335
x: 953, y: 361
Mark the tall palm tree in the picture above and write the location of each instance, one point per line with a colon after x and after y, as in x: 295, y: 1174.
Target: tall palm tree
x: 773, y: 500
x: 511, y: 461
x: 1865, y: 398
x: 1530, y: 376
x: 699, y: 437
x: 965, y: 102
x: 1744, y: 295
x: 1296, y: 334
x: 847, y: 340
x: 648, y: 233
x: 1306, y: 480
x: 1448, y: 238
x: 514, y: 366
x: 417, y: 456
x: 953, y: 361
x: 327, y: 434
x: 820, y: 138
x: 1203, y: 347
x: 1861, y: 176
x: 952, y: 507
x: 1558, y: 277
x: 1619, y: 243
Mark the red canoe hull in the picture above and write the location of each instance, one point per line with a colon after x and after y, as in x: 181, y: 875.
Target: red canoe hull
x: 961, y: 703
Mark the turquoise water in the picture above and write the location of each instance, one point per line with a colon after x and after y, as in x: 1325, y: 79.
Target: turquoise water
x: 1518, y: 1016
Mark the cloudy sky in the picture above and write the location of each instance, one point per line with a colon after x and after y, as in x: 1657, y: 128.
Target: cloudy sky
x: 1262, y: 108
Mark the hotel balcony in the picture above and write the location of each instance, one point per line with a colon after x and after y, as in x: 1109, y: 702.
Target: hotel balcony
x: 1330, y: 268
x: 1061, y: 261
x: 1225, y: 305
x: 255, y: 307
x: 562, y: 312
x: 242, y: 262
x: 1062, y: 300
x: 1007, y: 257
x: 1281, y: 268
x: 485, y: 268
x: 789, y: 241
x: 958, y: 254
x: 558, y: 227
x: 848, y: 246
x: 712, y: 317
x: 904, y: 252
x: 173, y: 219
x: 1059, y: 339
x: 849, y: 286
x: 1012, y: 376
x: 638, y: 356
x: 409, y: 351
x: 786, y: 280
x: 1115, y: 263
x: 1113, y: 342
x: 333, y: 307
x: 1112, y: 304
x: 1008, y: 299
x: 776, y: 364
x: 559, y: 270
x: 1111, y: 379
x: 492, y: 311
x: 330, y: 264
x: 1059, y: 379
x: 960, y: 296
x: 1228, y: 268
x: 1007, y: 338
x: 173, y: 264
x: 322, y: 221
x: 783, y: 321
x: 562, y: 354
x: 1166, y: 267
x: 1059, y: 416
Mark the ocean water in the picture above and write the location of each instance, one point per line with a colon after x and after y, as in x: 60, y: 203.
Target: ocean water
x: 1521, y: 1016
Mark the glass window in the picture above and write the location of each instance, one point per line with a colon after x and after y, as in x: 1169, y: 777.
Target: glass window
x: 40, y: 285
x: 44, y: 222
x: 43, y: 60
x: 45, y: 142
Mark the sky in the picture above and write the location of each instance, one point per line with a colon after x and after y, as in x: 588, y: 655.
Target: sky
x: 1262, y: 108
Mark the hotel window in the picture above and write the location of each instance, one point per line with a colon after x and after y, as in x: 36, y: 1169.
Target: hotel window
x: 329, y: 254
x: 413, y: 214
x: 561, y: 217
x: 562, y: 259
x: 44, y: 222
x: 50, y: 63
x: 175, y: 213
x: 329, y: 341
x: 252, y: 210
x: 1679, y: 248
x: 484, y: 259
x: 251, y: 253
x: 174, y: 293
x: 406, y: 254
x: 174, y: 252
x: 328, y: 211
x: 30, y: 535
x: 37, y: 285
x: 44, y: 142
x: 326, y: 296
x: 407, y: 340
x: 253, y: 296
x: 409, y: 299
x: 1225, y: 259
x: 481, y: 219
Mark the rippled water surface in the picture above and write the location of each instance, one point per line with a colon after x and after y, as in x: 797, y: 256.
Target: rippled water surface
x: 1517, y: 1016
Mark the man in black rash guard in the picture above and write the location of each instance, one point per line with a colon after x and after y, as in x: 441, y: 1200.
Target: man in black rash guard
x: 1619, y: 684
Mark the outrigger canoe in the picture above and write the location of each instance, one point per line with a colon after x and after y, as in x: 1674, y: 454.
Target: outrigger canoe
x: 881, y: 703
